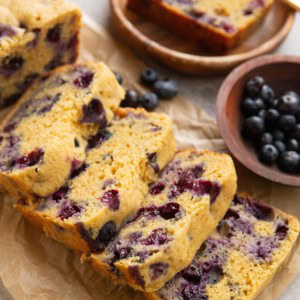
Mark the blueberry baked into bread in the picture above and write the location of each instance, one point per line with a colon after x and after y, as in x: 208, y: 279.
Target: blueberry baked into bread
x: 217, y: 25
x: 108, y: 186
x: 35, y: 37
x: 44, y: 138
x: 239, y: 259
x: 182, y: 208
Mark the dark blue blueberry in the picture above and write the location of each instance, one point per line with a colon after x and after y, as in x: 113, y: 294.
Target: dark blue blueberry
x: 251, y: 106
x: 169, y: 211
x: 149, y: 76
x: 149, y: 101
x: 278, y: 135
x: 267, y: 94
x: 268, y: 154
x: 266, y: 138
x: 296, y: 132
x: 119, y: 77
x: 254, y: 86
x: 292, y: 145
x: 166, y: 89
x: 289, y: 103
x: 272, y: 116
x: 107, y: 232
x: 287, y: 122
x: 132, y: 99
x: 280, y: 146
x: 281, y: 231
x: 289, y: 162
x: 98, y: 139
x: 262, y: 113
x: 254, y: 126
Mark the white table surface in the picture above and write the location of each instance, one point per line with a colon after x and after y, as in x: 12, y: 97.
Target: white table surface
x: 201, y: 91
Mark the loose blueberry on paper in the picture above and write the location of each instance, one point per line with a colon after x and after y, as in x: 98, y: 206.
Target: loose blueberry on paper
x: 272, y: 124
x: 161, y: 89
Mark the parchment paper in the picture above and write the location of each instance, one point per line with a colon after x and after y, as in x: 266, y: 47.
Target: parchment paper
x: 35, y: 267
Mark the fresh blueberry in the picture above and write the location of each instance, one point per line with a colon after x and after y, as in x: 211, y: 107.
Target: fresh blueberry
x: 149, y: 101
x: 267, y: 94
x: 287, y: 122
x: 268, y: 154
x: 296, y: 132
x: 149, y: 76
x: 289, y: 103
x: 254, y: 86
x: 289, y: 161
x: 278, y: 135
x: 252, y: 106
x: 292, y: 145
x: 119, y: 77
x: 272, y: 116
x: 254, y: 126
x: 132, y: 99
x: 166, y: 89
x: 266, y: 138
x: 280, y: 146
x: 262, y: 113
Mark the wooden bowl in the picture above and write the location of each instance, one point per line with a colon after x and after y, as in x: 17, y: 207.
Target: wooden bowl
x: 147, y: 38
x: 282, y: 73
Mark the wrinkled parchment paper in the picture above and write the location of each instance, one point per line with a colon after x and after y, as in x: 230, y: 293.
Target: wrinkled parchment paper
x: 35, y: 267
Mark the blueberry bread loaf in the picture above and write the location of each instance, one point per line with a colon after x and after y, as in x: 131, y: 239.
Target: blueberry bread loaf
x: 239, y: 259
x: 35, y: 37
x: 217, y: 25
x: 109, y: 185
x: 182, y: 208
x: 45, y: 136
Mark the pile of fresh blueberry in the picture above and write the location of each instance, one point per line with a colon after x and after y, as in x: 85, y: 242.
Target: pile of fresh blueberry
x: 162, y: 89
x: 273, y: 124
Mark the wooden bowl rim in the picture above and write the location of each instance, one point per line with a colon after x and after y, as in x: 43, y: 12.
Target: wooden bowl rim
x: 254, y: 164
x: 222, y: 61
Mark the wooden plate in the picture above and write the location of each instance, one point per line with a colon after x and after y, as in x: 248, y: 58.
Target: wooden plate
x: 178, y: 54
x: 282, y: 73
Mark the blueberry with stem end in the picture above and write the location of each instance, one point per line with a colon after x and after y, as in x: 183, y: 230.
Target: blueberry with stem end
x: 149, y: 76
x: 149, y: 101
x: 289, y: 103
x: 268, y: 154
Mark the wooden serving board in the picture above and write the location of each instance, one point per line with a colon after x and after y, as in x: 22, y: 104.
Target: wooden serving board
x: 152, y: 40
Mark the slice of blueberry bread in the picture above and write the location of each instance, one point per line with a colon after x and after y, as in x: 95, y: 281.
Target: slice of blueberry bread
x: 182, y: 208
x: 35, y: 37
x: 109, y: 185
x: 217, y: 25
x: 47, y: 133
x: 239, y: 259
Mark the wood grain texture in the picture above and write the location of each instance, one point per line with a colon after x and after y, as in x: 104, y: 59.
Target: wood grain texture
x: 150, y: 39
x: 282, y: 73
